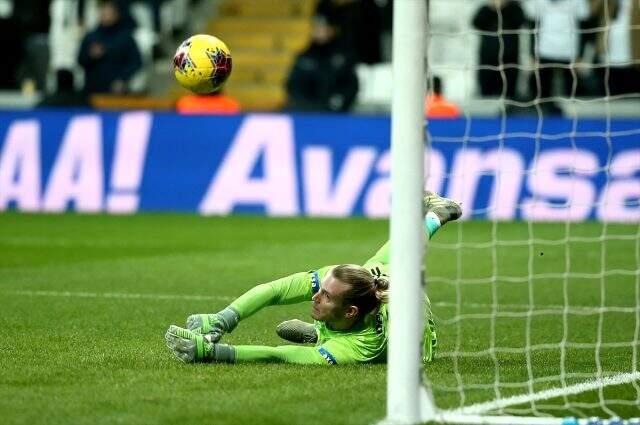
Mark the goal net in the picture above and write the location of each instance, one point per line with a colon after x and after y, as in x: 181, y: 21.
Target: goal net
x: 536, y: 292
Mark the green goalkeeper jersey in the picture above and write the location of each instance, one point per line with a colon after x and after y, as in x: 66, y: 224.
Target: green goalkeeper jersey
x: 365, y: 342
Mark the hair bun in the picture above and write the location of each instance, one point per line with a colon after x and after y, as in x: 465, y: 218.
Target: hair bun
x: 381, y: 284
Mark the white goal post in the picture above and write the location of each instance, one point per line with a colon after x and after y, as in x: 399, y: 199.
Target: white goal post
x: 404, y: 381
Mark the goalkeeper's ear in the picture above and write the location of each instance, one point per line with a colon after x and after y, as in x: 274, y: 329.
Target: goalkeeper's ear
x: 351, y: 311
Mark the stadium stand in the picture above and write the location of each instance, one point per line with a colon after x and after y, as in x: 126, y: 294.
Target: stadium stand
x: 264, y: 38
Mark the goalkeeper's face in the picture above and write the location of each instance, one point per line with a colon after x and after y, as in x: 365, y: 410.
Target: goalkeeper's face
x: 328, y: 302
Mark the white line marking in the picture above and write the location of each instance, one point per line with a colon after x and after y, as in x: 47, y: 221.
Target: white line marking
x: 475, y: 409
x: 51, y: 241
x: 124, y: 295
x: 120, y: 295
x: 537, y: 307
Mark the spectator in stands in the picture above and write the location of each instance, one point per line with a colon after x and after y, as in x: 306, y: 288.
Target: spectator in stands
x: 32, y: 22
x: 12, y: 39
x: 23, y: 28
x: 619, y: 45
x: 436, y: 105
x: 109, y: 55
x: 216, y: 104
x: 66, y: 95
x: 589, y: 79
x: 125, y: 18
x: 556, y: 44
x: 359, y: 26
x: 498, y: 49
x: 323, y: 77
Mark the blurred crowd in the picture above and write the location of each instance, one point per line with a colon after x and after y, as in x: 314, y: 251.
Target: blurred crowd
x: 75, y: 48
x: 344, y: 33
x: 529, y: 49
x: 577, y: 48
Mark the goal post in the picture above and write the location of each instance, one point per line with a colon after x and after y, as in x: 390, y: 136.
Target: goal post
x: 404, y: 385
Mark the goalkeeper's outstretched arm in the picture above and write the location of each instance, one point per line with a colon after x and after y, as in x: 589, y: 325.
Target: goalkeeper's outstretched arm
x: 192, y: 347
x: 292, y: 289
x: 258, y: 353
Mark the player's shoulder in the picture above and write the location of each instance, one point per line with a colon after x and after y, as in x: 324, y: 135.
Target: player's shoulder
x: 358, y: 347
x: 316, y: 276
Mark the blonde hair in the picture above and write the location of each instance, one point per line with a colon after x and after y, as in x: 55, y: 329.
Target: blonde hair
x: 366, y: 290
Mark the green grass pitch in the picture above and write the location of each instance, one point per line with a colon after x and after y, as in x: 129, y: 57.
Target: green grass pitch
x: 85, y: 301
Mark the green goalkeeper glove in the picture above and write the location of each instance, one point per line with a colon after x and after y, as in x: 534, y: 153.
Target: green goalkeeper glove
x: 188, y: 346
x: 192, y: 347
x: 214, y: 325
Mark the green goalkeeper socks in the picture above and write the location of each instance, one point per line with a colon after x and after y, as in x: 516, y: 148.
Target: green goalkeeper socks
x: 431, y: 223
x: 439, y: 211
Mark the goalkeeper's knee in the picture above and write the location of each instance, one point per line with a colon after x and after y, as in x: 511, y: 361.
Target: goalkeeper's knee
x: 297, y: 331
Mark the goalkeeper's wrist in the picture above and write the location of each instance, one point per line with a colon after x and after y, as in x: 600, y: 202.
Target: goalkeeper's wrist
x: 224, y: 353
x: 229, y: 318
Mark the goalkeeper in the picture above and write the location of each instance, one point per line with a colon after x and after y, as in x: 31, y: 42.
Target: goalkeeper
x: 349, y: 311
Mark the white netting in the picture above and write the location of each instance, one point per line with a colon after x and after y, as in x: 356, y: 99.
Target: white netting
x: 538, y: 307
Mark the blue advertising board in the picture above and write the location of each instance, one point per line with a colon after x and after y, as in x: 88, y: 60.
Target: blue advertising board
x: 313, y: 165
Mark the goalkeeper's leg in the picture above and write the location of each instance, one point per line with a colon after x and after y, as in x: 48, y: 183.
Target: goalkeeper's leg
x: 297, y: 331
x: 444, y: 209
x: 438, y: 211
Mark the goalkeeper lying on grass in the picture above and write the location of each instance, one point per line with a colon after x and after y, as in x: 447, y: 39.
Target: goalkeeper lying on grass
x: 349, y: 311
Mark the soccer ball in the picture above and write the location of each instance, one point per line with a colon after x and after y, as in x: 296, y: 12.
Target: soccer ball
x: 202, y: 63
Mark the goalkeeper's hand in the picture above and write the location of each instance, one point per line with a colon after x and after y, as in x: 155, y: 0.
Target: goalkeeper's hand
x: 188, y: 346
x: 212, y: 325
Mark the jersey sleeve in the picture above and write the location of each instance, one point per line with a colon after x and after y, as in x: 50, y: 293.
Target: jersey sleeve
x: 292, y: 289
x: 338, y: 351
x: 284, y: 354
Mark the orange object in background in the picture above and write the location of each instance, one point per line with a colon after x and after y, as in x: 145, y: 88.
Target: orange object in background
x: 207, y: 104
x: 435, y: 104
